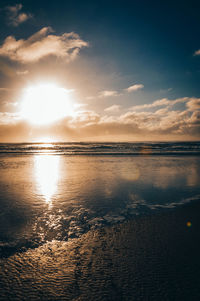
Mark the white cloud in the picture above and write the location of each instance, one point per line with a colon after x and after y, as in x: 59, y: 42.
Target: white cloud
x: 85, y: 118
x: 108, y: 93
x: 193, y: 104
x: 22, y: 72
x: 134, y: 88
x: 172, y: 122
x: 160, y: 103
x: 8, y: 118
x: 113, y: 93
x: 197, y: 52
x: 15, y: 17
x: 113, y: 109
x: 164, y: 123
x: 4, y: 89
x: 42, y: 44
x: 90, y: 97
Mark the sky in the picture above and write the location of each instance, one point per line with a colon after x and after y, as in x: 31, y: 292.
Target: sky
x: 99, y: 70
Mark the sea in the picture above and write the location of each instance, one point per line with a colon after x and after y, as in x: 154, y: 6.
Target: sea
x: 59, y: 191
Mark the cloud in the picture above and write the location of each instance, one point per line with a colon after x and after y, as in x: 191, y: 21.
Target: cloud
x: 165, y: 123
x: 134, y: 88
x: 160, y: 103
x: 113, y: 109
x: 8, y: 118
x: 108, y: 93
x: 84, y: 119
x: 15, y: 17
x: 113, y: 93
x: 197, y: 52
x: 42, y: 44
x: 193, y: 104
x: 175, y: 125
x: 104, y: 93
x: 4, y: 89
x: 171, y: 123
x: 22, y: 72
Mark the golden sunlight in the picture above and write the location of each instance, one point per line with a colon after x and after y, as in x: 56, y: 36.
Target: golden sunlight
x: 45, y: 103
x: 45, y: 139
x: 47, y: 175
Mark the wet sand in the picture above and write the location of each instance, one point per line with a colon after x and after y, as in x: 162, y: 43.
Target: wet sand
x: 153, y: 257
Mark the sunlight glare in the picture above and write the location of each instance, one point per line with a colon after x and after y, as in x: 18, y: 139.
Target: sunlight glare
x: 45, y: 103
x: 45, y: 140
x: 47, y: 175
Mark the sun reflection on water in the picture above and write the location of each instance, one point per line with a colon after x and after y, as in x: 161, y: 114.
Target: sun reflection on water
x: 47, y: 175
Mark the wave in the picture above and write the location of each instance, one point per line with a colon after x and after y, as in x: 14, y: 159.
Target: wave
x: 139, y: 148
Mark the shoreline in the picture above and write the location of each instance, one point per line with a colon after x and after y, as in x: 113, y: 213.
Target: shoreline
x: 152, y: 257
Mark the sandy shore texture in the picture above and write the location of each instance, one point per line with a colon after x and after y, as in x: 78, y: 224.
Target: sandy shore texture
x: 153, y: 257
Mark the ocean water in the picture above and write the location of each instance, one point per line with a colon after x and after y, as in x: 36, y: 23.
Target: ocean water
x: 82, y: 148
x: 59, y: 191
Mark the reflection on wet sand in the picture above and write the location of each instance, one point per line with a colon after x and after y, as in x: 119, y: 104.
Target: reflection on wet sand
x: 47, y: 175
x: 45, y: 197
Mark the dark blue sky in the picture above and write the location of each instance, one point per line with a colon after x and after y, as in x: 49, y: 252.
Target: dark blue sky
x: 149, y: 41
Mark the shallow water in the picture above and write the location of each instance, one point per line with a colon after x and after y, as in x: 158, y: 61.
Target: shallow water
x: 45, y: 197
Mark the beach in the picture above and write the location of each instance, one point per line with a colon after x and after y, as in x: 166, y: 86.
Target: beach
x: 99, y: 227
x: 152, y: 257
x: 99, y: 151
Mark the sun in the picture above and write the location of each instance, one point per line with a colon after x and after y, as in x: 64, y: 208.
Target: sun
x: 45, y: 103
